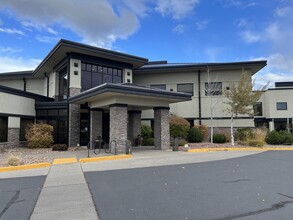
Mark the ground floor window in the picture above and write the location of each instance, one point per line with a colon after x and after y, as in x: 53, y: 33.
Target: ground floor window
x: 24, y: 123
x: 58, y: 119
x: 3, y: 129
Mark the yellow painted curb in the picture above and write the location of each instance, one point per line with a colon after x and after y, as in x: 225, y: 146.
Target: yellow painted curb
x: 24, y: 167
x: 65, y: 160
x: 97, y: 159
x: 239, y: 149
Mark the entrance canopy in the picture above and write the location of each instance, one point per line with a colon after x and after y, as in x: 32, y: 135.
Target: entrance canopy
x: 137, y: 97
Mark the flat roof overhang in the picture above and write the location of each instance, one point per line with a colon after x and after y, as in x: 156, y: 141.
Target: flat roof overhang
x: 255, y: 66
x: 137, y: 97
x: 65, y: 47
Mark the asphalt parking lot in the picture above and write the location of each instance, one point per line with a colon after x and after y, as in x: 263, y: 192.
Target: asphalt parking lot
x: 258, y: 186
x: 18, y: 196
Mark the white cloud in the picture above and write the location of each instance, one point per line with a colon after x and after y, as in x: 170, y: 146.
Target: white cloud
x: 139, y: 7
x: 178, y: 9
x: 47, y: 39
x: 250, y: 37
x: 96, y: 22
x: 213, y: 53
x: 179, y: 29
x: 9, y: 64
x: 39, y: 27
x: 238, y: 3
x: 9, y: 50
x: 201, y: 25
x: 11, y: 31
x: 281, y: 12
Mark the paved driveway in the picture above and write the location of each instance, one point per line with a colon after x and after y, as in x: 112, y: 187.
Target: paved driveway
x: 258, y: 186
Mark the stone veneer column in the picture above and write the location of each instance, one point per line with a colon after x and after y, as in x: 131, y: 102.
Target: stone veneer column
x: 13, y: 137
x: 161, y: 128
x: 118, y: 126
x: 96, y: 123
x: 134, y: 125
x: 74, y: 120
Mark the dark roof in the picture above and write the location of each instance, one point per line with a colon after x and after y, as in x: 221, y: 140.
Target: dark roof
x: 162, y: 67
x: 19, y: 74
x: 129, y: 88
x: 18, y: 92
x: 283, y: 84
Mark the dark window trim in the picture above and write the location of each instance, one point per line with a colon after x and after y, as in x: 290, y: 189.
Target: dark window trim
x: 281, y: 109
x: 181, y: 84
x: 5, y: 131
x: 254, y: 109
x: 213, y: 93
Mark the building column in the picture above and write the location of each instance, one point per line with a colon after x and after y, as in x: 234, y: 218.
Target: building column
x: 271, y: 125
x: 161, y: 128
x: 134, y: 125
x: 96, y: 123
x: 74, y: 120
x: 13, y: 131
x: 118, y: 126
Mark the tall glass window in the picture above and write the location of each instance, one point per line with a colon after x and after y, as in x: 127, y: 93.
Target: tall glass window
x: 63, y: 84
x: 3, y: 129
x: 93, y: 75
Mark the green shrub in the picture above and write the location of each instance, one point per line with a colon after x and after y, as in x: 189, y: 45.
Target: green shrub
x: 279, y: 137
x: 204, y: 130
x: 39, y: 135
x: 219, y: 138
x: 59, y: 147
x: 146, y: 131
x: 148, y: 142
x: 256, y: 143
x: 182, y: 142
x: 245, y: 134
x: 194, y: 135
x: 179, y: 126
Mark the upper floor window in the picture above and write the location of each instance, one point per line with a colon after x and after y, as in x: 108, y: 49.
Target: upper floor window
x: 281, y: 105
x: 94, y: 75
x: 3, y: 129
x: 159, y: 86
x: 186, y: 87
x: 63, y: 84
x: 257, y: 108
x: 213, y: 88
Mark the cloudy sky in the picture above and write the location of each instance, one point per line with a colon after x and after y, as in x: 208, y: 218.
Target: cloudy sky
x: 173, y: 30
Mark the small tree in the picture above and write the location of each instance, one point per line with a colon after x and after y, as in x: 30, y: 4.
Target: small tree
x: 179, y: 126
x: 241, y: 99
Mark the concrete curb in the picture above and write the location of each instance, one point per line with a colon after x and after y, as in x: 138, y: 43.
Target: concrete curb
x: 105, y: 158
x: 240, y: 149
x: 24, y: 167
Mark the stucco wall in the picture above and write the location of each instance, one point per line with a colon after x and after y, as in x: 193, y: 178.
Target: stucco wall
x: 75, y: 74
x: 13, y: 104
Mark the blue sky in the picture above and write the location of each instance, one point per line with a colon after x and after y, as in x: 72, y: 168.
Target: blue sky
x: 173, y: 30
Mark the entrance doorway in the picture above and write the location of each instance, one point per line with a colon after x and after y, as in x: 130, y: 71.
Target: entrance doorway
x: 84, y: 125
x: 106, y: 127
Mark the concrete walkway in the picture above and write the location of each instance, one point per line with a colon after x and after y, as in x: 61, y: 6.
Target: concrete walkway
x: 65, y: 195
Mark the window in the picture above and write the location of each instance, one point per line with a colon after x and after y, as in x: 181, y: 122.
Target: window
x: 63, y: 83
x: 159, y: 86
x: 186, y: 88
x: 213, y: 88
x: 257, y: 108
x: 3, y: 129
x: 93, y: 75
x: 281, y: 105
x: 24, y: 123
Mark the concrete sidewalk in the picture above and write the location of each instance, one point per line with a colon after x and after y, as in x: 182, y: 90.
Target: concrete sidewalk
x: 65, y: 195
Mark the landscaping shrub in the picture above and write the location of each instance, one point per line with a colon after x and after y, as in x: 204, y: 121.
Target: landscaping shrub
x: 246, y: 134
x: 146, y: 131
x: 204, y: 130
x: 219, y: 138
x: 148, y: 142
x: 256, y: 143
x: 182, y: 142
x: 194, y: 135
x: 179, y: 126
x: 279, y: 137
x: 59, y: 147
x: 13, y: 161
x: 39, y: 136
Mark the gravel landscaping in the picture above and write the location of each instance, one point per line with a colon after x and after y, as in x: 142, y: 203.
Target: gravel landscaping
x: 31, y: 156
